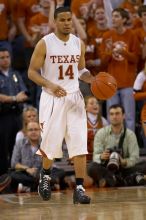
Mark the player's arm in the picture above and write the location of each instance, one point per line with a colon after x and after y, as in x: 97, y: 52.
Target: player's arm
x: 84, y: 73
x: 36, y: 63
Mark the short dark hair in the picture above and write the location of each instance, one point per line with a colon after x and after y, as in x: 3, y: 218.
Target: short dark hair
x: 141, y: 9
x: 124, y: 13
x: 2, y: 49
x: 60, y: 10
x: 117, y: 106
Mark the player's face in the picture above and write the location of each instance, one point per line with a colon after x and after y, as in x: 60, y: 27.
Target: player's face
x: 64, y: 23
x: 116, y: 116
x: 92, y: 106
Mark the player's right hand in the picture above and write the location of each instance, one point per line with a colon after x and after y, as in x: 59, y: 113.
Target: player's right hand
x: 58, y: 91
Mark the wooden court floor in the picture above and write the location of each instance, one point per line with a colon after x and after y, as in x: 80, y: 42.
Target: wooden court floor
x: 107, y: 204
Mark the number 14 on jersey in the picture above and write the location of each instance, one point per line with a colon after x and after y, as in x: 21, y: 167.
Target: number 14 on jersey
x: 68, y: 72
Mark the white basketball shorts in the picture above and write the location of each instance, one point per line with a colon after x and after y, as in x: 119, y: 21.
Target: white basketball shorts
x: 63, y: 118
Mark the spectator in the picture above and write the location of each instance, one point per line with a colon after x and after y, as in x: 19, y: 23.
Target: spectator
x: 120, y: 54
x: 12, y: 96
x: 29, y: 114
x: 95, y: 121
x: 131, y: 5
x: 38, y: 26
x: 18, y: 61
x: 120, y: 167
x: 26, y: 10
x: 25, y: 161
x: 95, y: 34
x: 8, y: 29
x: 141, y: 35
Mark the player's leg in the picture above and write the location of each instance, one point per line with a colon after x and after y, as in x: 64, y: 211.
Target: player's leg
x: 53, y: 126
x: 76, y: 140
x: 80, y: 172
x: 44, y: 188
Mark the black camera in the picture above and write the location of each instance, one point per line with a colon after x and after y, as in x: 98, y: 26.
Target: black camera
x: 135, y: 179
x: 114, y: 160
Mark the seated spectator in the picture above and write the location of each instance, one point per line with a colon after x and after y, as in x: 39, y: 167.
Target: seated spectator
x: 29, y: 114
x: 95, y: 121
x: 25, y: 162
x: 116, y: 154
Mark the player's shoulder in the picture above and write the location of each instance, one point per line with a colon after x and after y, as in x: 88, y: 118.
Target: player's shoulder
x: 49, y: 36
x: 74, y: 38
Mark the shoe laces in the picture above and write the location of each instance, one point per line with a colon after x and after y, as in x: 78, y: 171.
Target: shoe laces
x: 80, y: 187
x: 46, y: 180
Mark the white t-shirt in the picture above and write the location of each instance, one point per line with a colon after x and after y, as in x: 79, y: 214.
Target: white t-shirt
x: 140, y: 79
x: 19, y: 136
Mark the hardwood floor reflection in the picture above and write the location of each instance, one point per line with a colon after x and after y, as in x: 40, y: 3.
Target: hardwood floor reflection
x: 107, y: 204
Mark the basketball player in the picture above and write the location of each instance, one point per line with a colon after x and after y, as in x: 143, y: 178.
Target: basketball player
x: 60, y: 56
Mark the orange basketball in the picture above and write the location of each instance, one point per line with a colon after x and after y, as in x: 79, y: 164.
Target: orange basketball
x: 104, y: 86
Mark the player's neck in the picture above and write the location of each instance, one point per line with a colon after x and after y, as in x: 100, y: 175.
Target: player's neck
x: 63, y: 37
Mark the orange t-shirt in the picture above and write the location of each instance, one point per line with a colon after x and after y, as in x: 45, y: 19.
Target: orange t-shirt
x: 122, y: 67
x: 14, y: 10
x: 27, y: 9
x: 39, y: 23
x: 92, y: 47
x: 4, y: 14
x: 130, y: 7
x: 141, y: 36
x: 75, y: 5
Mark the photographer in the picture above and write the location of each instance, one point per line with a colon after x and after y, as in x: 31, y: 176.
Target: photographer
x: 116, y: 154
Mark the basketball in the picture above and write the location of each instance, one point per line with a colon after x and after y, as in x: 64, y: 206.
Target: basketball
x: 104, y: 86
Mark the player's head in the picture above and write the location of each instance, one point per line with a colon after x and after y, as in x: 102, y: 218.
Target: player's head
x: 63, y: 20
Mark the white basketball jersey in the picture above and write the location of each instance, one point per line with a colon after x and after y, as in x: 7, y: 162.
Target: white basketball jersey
x: 61, y: 62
